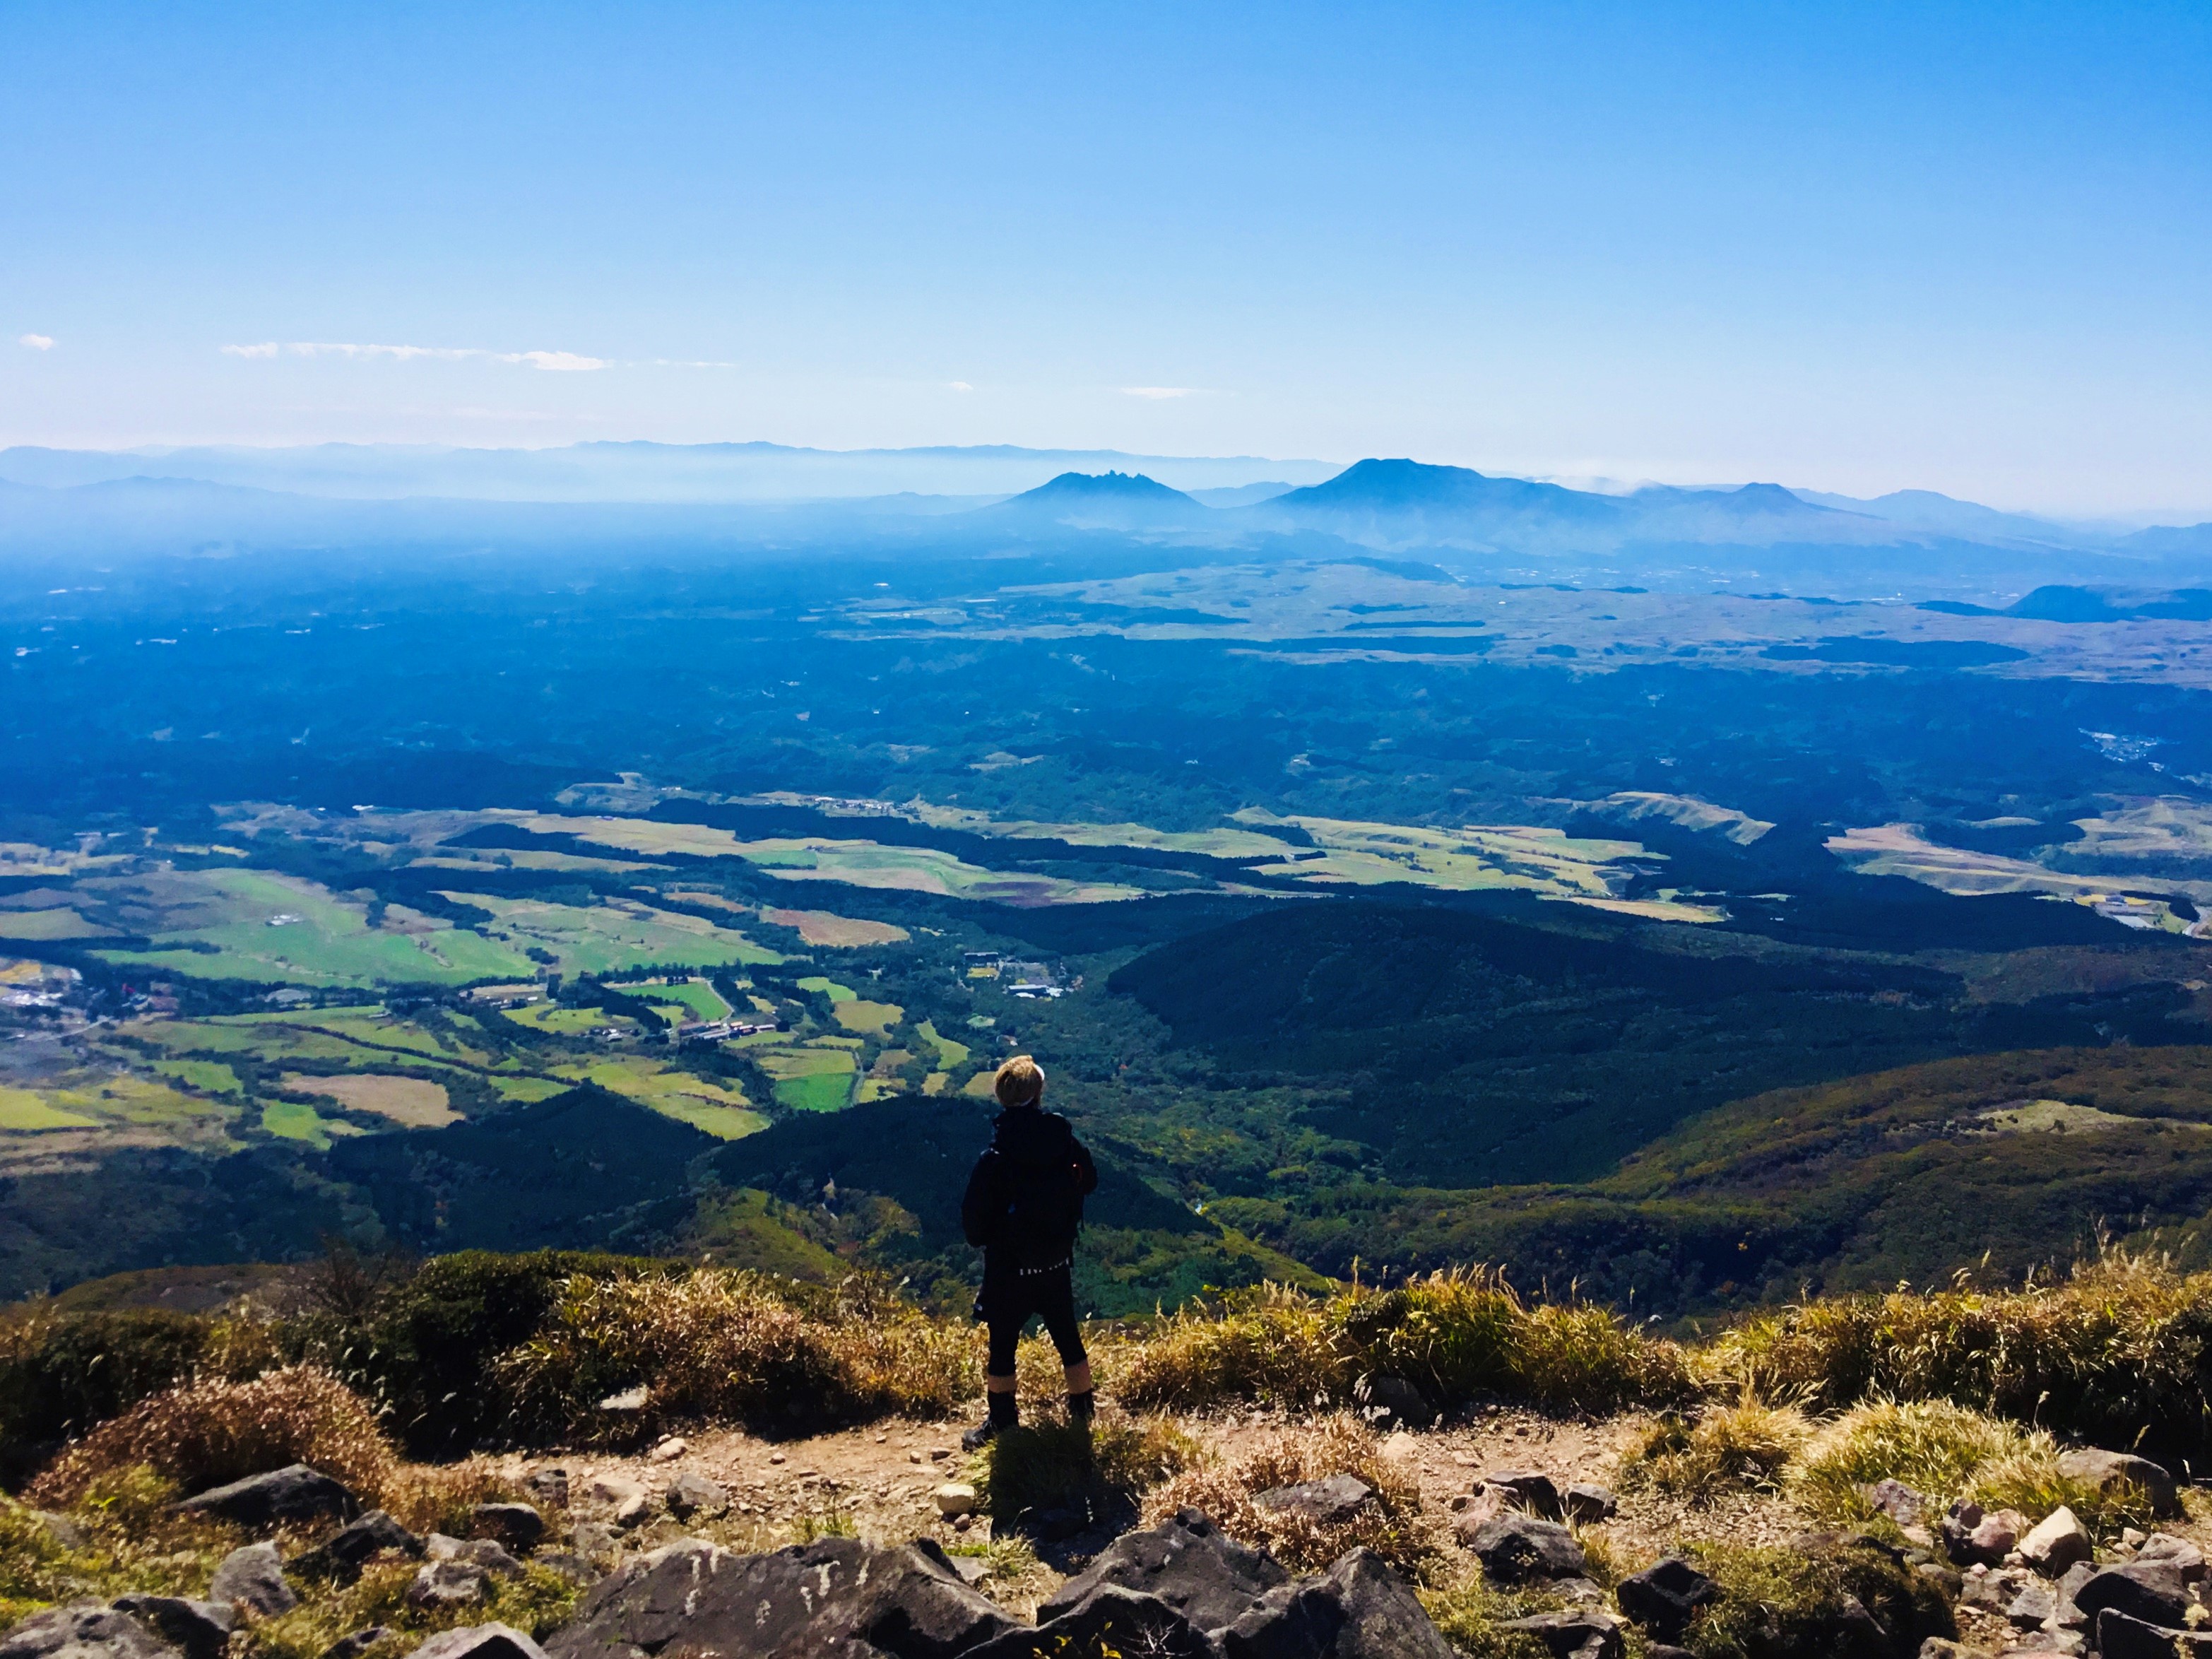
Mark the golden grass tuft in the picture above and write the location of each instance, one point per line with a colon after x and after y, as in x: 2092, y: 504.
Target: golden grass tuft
x: 723, y: 1344
x: 1454, y: 1334
x: 1744, y: 1446
x: 2116, y: 1354
x: 206, y: 1433
x: 1393, y: 1525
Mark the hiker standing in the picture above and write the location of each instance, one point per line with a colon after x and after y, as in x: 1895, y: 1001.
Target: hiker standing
x: 1023, y: 1204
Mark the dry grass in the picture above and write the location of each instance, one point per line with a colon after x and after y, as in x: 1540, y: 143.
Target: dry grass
x: 1744, y: 1446
x: 1453, y: 1334
x: 1931, y: 1446
x: 1393, y: 1525
x: 2118, y: 1354
x: 726, y: 1346
x: 207, y: 1433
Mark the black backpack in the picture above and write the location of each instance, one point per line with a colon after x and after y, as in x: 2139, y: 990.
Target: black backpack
x: 1045, y: 1212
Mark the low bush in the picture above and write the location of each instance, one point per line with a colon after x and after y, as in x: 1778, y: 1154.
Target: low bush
x: 2120, y: 1354
x: 1455, y: 1335
x: 1930, y: 1445
x: 1391, y: 1524
x: 62, y: 1373
x: 209, y: 1432
x: 725, y: 1346
x: 1744, y: 1446
x: 1795, y: 1603
x: 1471, y: 1613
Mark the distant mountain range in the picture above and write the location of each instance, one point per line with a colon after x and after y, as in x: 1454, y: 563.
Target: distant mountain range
x: 1908, y: 544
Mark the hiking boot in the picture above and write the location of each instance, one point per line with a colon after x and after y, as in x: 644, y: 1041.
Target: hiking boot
x: 1004, y: 1414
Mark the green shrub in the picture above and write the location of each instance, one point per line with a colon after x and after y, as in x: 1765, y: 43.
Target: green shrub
x: 423, y: 1349
x: 1790, y: 1603
x: 1471, y: 1613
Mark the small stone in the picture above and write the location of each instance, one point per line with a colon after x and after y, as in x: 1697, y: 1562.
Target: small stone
x: 1401, y: 1446
x: 1526, y: 1490
x: 345, y: 1551
x: 2056, y: 1543
x: 973, y: 1569
x: 692, y: 1494
x: 612, y: 1489
x: 594, y: 1540
x: 1457, y: 1501
x: 2032, y: 1606
x: 1578, y: 1634
x: 1514, y: 1548
x: 630, y: 1400
x: 963, y: 1523
x: 1587, y: 1503
x: 954, y: 1498
x: 914, y: 1457
x: 632, y: 1510
x: 670, y: 1449
x: 360, y: 1642
x: 1898, y: 1501
x: 518, y: 1526
x: 1664, y: 1598
x: 1337, y: 1498
x: 2131, y: 1539
x: 83, y: 1630
x: 446, y: 1584
x: 937, y: 1454
x: 253, y: 1578
x: 775, y: 1457
x: 549, y: 1487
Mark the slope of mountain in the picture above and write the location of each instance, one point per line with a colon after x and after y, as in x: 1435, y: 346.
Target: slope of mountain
x: 1405, y: 503
x: 1106, y: 501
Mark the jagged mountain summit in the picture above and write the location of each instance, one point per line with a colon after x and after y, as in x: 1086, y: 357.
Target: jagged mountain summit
x: 1106, y: 500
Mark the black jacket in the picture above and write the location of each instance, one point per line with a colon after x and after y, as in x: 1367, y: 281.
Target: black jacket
x: 1025, y: 1198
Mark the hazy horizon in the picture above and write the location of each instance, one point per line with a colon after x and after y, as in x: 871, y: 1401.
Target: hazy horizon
x: 1957, y: 249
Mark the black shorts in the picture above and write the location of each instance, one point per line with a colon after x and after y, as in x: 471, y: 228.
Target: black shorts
x: 1009, y: 1300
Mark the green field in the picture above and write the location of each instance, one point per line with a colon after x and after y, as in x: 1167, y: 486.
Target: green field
x: 875, y: 1017
x: 697, y: 997
x: 281, y: 930
x: 21, y: 1109
x: 209, y: 1076
x: 293, y: 1121
x: 720, y: 1111
x: 810, y: 1079
x: 612, y: 938
x: 828, y: 988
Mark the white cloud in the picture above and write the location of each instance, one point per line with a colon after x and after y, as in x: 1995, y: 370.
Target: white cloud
x: 958, y: 386
x: 36, y: 341
x: 560, y: 362
x: 1158, y: 391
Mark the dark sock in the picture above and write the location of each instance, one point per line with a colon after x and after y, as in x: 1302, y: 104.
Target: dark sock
x: 1005, y: 1412
x: 1080, y: 1406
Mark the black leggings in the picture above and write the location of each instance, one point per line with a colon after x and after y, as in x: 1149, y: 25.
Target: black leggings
x: 1007, y: 1304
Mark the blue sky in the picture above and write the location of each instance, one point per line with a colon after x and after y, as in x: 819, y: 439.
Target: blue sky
x: 1856, y: 247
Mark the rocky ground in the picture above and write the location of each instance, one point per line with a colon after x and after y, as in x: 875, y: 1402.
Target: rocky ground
x: 892, y: 1531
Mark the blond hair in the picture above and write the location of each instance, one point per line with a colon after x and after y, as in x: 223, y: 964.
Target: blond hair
x: 1020, y: 1082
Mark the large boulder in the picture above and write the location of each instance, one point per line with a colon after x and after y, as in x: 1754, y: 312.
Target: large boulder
x: 835, y: 1596
x: 480, y: 1642
x: 2151, y: 1591
x: 1516, y: 1548
x: 1399, y: 1401
x: 1665, y: 1598
x: 2121, y: 1636
x: 1186, y: 1562
x: 1359, y: 1609
x: 1109, y: 1621
x: 2056, y: 1543
x: 2109, y: 1472
x: 294, y: 1492
x: 253, y: 1578
x: 200, y: 1630
x: 2179, y: 1553
x: 84, y: 1629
